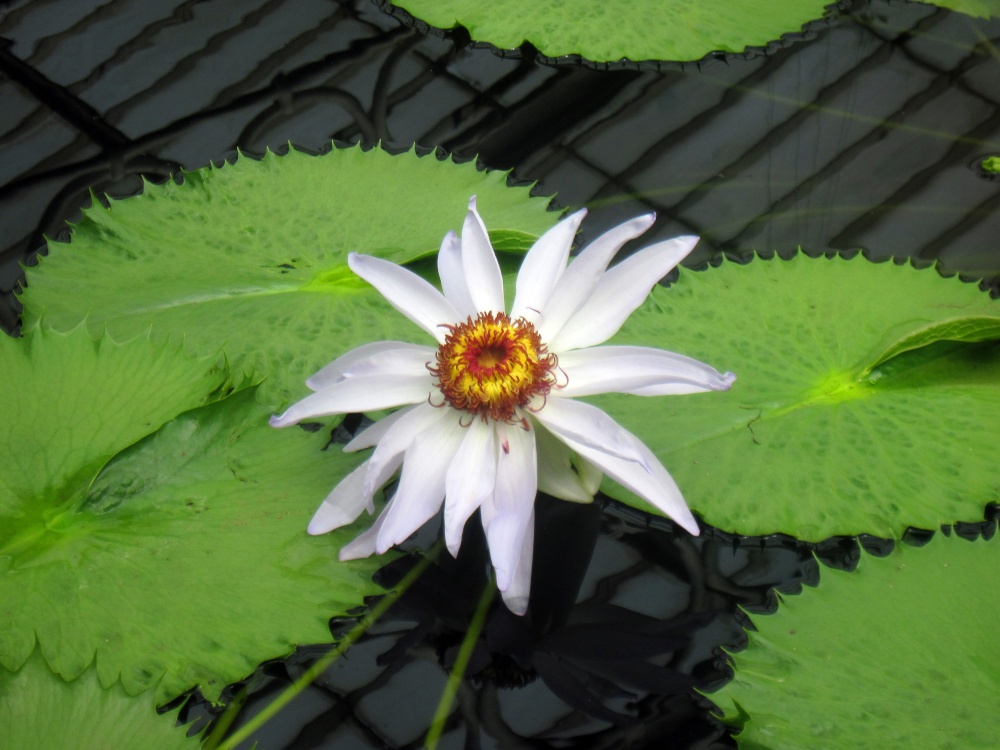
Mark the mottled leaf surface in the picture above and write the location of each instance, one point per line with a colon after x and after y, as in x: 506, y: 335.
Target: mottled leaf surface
x: 39, y: 709
x: 900, y: 653
x: 253, y: 255
x: 867, y: 398
x: 175, y: 555
x: 637, y: 30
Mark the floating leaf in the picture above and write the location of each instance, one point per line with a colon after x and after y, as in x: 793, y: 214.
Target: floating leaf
x: 901, y: 653
x: 867, y: 396
x: 603, y: 31
x: 39, y: 709
x: 185, y: 561
x: 253, y: 255
x: 72, y: 403
x: 991, y: 164
x: 977, y: 8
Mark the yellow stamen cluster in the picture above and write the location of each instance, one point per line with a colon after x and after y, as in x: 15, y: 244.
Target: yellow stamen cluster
x: 489, y: 366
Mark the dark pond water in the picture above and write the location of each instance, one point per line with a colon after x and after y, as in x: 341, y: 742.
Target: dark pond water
x: 865, y: 131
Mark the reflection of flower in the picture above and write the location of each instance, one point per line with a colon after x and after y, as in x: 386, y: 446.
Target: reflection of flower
x: 490, y: 416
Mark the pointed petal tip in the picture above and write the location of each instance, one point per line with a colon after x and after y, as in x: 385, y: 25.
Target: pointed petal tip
x: 347, y: 554
x: 518, y: 605
x: 278, y: 420
x: 472, y: 203
x: 646, y: 220
x: 329, y: 516
x: 728, y: 378
x: 689, y: 524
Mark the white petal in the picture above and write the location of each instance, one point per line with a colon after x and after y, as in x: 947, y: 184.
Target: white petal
x: 637, y: 370
x: 620, y: 291
x: 513, y: 500
x: 364, y: 544
x: 421, y: 485
x: 578, y: 420
x: 470, y: 479
x: 482, y: 272
x: 555, y: 469
x: 342, y: 506
x: 373, y: 433
x: 379, y: 356
x: 542, y: 266
x: 383, y: 391
x: 411, y: 295
x: 580, y: 278
x: 590, y: 475
x: 646, y: 478
x: 517, y: 594
x: 397, y: 439
x: 456, y: 289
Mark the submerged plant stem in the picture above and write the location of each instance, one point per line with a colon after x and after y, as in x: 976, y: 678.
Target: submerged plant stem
x: 226, y: 720
x: 320, y: 665
x: 461, y: 662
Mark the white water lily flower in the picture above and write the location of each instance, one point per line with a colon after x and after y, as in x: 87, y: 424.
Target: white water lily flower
x: 489, y: 415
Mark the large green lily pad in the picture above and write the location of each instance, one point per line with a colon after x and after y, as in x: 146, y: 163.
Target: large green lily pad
x: 867, y: 398
x: 900, y: 653
x: 39, y: 709
x: 183, y: 560
x: 253, y: 255
x: 637, y: 30
x: 977, y: 8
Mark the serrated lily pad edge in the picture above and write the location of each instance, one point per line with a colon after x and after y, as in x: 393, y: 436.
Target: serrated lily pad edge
x: 526, y: 50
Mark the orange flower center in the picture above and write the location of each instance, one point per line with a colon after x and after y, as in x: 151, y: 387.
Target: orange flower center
x: 491, y: 366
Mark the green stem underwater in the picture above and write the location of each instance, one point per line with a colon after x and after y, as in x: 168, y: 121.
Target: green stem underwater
x: 461, y: 663
x: 318, y: 667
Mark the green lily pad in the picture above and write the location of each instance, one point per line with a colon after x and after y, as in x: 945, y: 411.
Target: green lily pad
x: 39, y: 709
x: 253, y: 255
x: 977, y: 8
x: 184, y: 562
x: 639, y: 30
x: 867, y: 397
x: 71, y: 405
x: 901, y: 653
